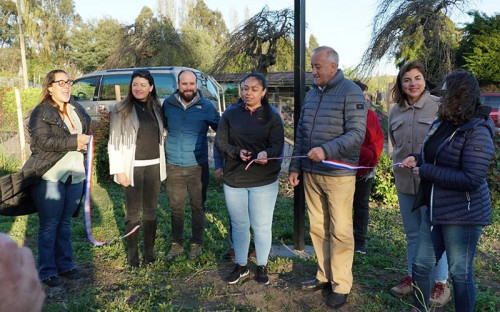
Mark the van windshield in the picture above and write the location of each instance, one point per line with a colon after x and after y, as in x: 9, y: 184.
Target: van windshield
x: 165, y: 85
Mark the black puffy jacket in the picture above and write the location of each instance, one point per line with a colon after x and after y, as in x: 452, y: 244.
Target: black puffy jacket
x: 50, y: 138
x: 50, y: 141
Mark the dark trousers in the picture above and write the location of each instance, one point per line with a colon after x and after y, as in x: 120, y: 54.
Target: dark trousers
x: 182, y: 181
x: 143, y: 196
x: 361, y: 210
x: 205, y: 178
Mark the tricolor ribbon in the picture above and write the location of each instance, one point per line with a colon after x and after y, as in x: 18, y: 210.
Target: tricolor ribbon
x: 328, y: 162
x: 272, y: 158
x: 87, y: 206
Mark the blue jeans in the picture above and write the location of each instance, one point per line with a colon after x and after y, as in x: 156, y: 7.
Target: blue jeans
x: 459, y: 242
x: 411, y: 224
x: 252, y: 206
x: 56, y: 202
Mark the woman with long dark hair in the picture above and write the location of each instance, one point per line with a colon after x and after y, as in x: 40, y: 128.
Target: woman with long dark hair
x: 454, y: 193
x: 251, y: 130
x: 59, y: 137
x: 137, y: 160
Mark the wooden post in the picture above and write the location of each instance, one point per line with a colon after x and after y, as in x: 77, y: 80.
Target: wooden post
x: 20, y: 124
x: 22, y: 45
x: 390, y: 104
x: 117, y: 93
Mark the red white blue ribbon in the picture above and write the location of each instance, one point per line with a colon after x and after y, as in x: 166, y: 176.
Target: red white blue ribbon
x: 329, y: 162
x: 272, y: 158
x: 87, y: 206
x: 342, y: 165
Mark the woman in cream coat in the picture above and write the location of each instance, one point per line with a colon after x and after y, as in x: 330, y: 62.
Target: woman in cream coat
x: 137, y: 160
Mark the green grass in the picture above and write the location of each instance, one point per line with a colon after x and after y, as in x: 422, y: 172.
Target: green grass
x: 196, y: 285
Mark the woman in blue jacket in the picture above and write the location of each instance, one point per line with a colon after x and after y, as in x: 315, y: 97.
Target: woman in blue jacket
x: 452, y: 167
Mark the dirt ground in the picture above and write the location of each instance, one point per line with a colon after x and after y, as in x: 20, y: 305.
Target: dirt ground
x: 282, y: 294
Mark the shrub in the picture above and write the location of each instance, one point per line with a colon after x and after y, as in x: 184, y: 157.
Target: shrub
x: 29, y: 98
x: 100, y: 130
x: 384, y: 189
x: 493, y: 176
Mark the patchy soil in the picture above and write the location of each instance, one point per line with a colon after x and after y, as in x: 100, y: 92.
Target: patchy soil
x: 206, y: 290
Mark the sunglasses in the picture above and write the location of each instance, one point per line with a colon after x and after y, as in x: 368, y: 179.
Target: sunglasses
x: 62, y: 83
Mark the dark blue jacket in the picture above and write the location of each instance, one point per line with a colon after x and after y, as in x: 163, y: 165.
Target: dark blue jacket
x: 459, y: 193
x: 187, y: 130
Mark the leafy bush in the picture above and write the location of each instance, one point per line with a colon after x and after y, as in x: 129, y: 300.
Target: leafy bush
x: 29, y: 98
x: 493, y: 176
x: 100, y: 130
x: 383, y: 184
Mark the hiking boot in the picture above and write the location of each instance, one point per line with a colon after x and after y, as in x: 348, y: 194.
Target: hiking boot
x: 440, y: 295
x: 238, y: 273
x: 261, y: 275
x: 229, y: 254
x: 53, y: 281
x: 72, y: 274
x: 403, y: 288
x: 175, y: 251
x: 194, y: 251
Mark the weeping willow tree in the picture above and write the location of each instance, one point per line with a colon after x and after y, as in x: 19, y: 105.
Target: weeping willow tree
x: 415, y: 30
x: 254, y: 45
x: 150, y: 41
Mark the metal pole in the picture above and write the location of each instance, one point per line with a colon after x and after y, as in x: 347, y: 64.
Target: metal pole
x: 299, y: 94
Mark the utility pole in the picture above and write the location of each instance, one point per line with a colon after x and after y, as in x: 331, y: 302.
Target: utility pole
x: 299, y: 94
x: 22, y: 44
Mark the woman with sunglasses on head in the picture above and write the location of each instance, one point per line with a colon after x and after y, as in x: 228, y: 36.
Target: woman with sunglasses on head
x: 59, y: 136
x: 137, y: 160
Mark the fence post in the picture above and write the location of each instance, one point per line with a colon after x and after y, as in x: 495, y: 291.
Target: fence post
x: 20, y: 124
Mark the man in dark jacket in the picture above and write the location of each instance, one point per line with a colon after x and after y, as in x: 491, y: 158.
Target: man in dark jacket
x: 331, y: 126
x: 188, y: 116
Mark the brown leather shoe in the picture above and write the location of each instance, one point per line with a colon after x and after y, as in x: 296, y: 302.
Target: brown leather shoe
x: 314, y: 284
x: 336, y: 300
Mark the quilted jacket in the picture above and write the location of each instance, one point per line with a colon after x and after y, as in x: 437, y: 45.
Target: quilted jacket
x: 459, y: 193
x: 335, y: 119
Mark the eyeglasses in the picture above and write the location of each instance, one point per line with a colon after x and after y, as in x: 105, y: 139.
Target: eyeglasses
x: 62, y: 83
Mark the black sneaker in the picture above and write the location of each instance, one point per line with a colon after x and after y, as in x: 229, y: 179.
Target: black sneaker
x: 261, y: 276
x: 72, y: 274
x: 53, y: 281
x: 360, y: 248
x: 238, y: 273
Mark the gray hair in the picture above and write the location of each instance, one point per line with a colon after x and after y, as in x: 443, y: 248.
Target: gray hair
x: 331, y: 54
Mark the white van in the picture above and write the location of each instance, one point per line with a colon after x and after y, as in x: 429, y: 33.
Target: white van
x: 97, y: 91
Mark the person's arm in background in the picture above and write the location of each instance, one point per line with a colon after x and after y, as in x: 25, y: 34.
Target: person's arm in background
x: 20, y: 287
x: 219, y: 163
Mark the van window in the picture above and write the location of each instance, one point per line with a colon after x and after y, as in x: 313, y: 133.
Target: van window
x: 108, y: 86
x: 165, y: 85
x: 84, y: 90
x: 208, y: 90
